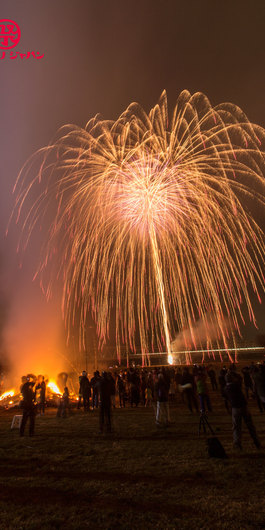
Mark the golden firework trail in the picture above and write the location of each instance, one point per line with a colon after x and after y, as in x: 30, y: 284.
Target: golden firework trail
x: 146, y: 221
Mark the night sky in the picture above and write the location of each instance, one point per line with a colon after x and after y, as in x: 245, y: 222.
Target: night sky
x: 99, y: 56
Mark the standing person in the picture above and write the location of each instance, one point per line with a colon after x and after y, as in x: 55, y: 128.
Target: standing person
x: 24, y: 379
x: 85, y: 390
x: 247, y: 380
x: 43, y: 396
x: 95, y: 387
x: 150, y: 383
x: 258, y: 377
x: 172, y: 388
x: 64, y: 404
x: 28, y: 407
x: 134, y: 382
x: 212, y: 376
x: 38, y: 395
x: 222, y: 384
x: 105, y: 402
x: 162, y: 410
x: 178, y: 378
x: 40, y: 390
x: 143, y: 387
x: 79, y: 404
x: 200, y: 380
x: 148, y: 396
x: 112, y: 383
x: 121, y: 390
x: 188, y: 389
x: 239, y: 410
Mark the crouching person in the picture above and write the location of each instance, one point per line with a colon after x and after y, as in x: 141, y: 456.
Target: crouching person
x: 240, y: 411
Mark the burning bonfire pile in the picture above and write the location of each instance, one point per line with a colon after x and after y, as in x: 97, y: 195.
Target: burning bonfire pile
x: 9, y: 399
x: 54, y: 391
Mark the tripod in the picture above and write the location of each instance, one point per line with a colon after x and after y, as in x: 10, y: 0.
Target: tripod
x: 204, y: 423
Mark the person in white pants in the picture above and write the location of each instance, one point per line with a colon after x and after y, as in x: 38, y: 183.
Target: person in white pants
x: 162, y: 407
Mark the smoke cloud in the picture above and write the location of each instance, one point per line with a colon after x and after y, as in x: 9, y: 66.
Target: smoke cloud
x: 204, y: 331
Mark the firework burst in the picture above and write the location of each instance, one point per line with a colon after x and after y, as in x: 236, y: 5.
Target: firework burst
x: 148, y: 221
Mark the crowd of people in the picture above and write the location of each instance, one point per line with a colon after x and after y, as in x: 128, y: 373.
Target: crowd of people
x: 158, y: 388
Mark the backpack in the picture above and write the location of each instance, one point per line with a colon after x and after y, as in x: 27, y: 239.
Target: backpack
x: 215, y: 448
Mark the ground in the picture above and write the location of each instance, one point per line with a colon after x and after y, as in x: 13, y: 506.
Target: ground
x: 70, y: 476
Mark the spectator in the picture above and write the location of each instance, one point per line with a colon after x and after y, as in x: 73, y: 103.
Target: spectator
x: 28, y: 406
x: 84, y: 391
x: 202, y: 390
x: 121, y: 391
x: 143, y: 387
x: 212, y: 376
x: 105, y: 402
x: 239, y: 410
x: 162, y: 411
x: 64, y: 404
x: 258, y: 376
x: 188, y: 389
x: 112, y: 389
x: 134, y: 382
x: 41, y: 394
x: 148, y: 396
x: 178, y: 379
x: 247, y: 381
x: 171, y: 393
x: 222, y: 384
x: 95, y: 387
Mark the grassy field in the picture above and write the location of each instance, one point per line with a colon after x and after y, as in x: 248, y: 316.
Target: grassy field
x: 70, y: 476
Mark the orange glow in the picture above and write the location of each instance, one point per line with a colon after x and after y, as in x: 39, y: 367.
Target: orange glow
x: 8, y: 394
x: 54, y: 388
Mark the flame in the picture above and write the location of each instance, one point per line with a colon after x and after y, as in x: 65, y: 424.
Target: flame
x: 8, y: 394
x: 170, y: 359
x: 54, y: 388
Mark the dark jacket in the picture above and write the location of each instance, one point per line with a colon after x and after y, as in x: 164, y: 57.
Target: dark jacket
x: 105, y: 391
x: 259, y: 381
x: 161, y: 390
x: 84, y: 386
x: 28, y: 395
x: 187, y: 378
x: 235, y: 395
